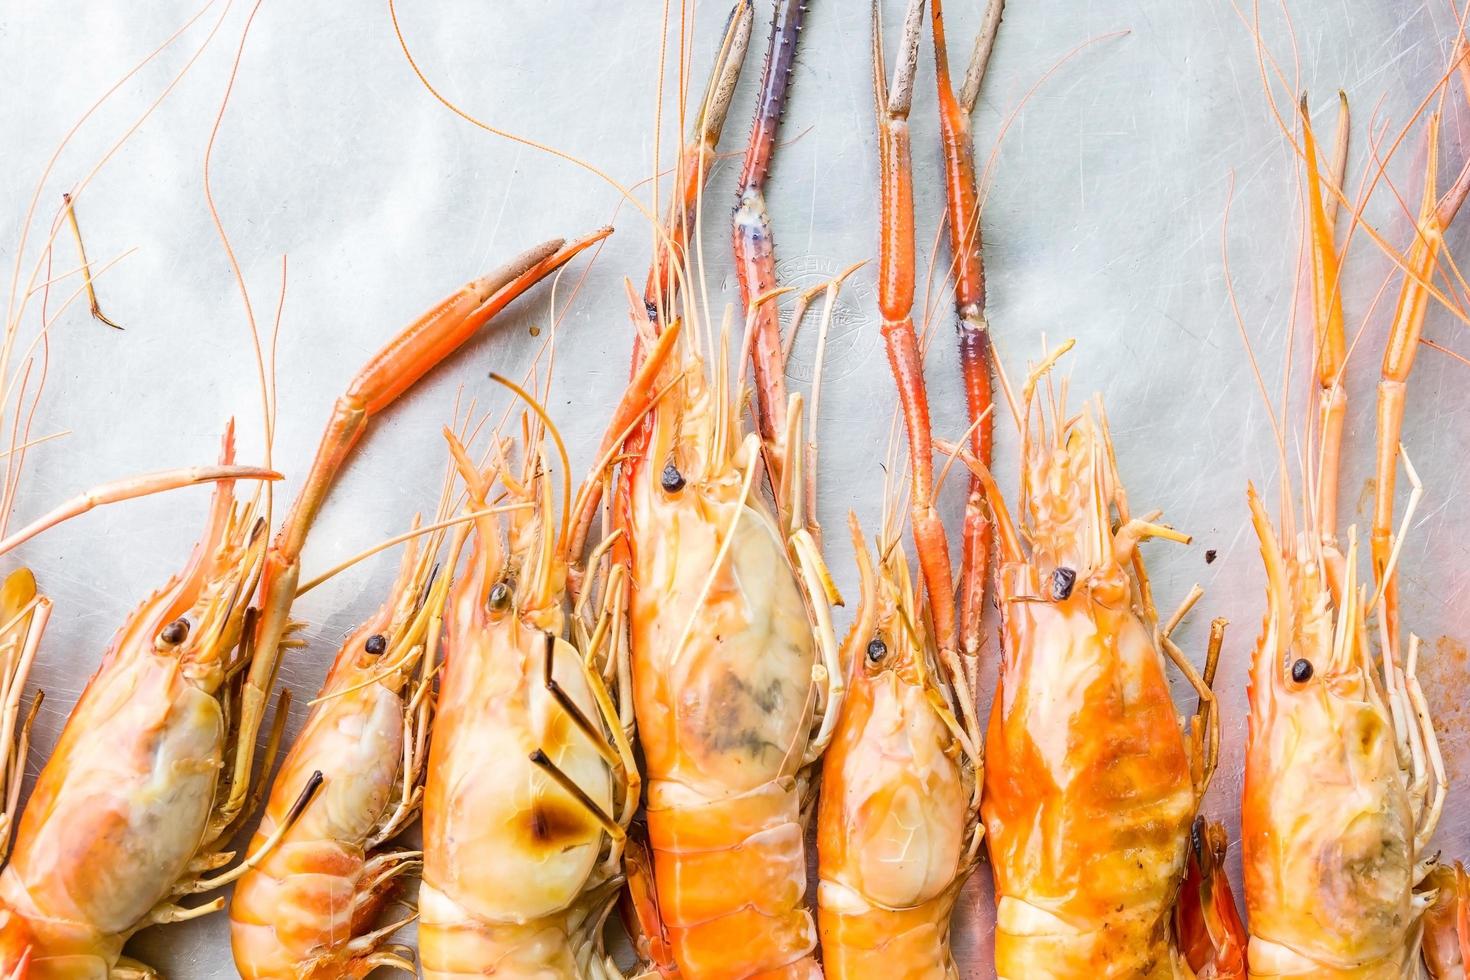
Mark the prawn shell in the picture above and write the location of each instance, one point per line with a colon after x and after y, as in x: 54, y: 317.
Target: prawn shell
x: 721, y: 704
x: 294, y: 914
x: 1327, y: 835
x: 722, y: 652
x: 1088, y: 795
x: 891, y: 830
x: 117, y: 814
x: 501, y: 841
x: 454, y: 943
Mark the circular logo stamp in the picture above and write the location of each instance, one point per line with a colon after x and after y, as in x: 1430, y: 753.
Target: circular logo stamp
x: 853, y: 330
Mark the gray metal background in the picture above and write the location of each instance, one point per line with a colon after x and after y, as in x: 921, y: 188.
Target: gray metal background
x: 1104, y: 224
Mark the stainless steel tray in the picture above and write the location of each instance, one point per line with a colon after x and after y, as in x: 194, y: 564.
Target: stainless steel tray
x: 1104, y: 224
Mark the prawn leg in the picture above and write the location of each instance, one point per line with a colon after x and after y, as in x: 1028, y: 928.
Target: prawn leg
x: 23, y: 619
x: 696, y: 160
x: 895, y: 304
x: 965, y: 247
x: 1435, y: 215
x: 396, y: 368
x: 755, y: 256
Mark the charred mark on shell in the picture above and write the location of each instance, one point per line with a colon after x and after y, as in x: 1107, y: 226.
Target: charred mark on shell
x: 1301, y: 670
x: 376, y: 644
x: 556, y: 825
x: 1063, y: 579
x: 552, y: 824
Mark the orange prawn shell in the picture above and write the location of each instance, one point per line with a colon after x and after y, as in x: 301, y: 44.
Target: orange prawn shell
x: 294, y: 915
x: 722, y: 658
x: 893, y: 819
x: 1447, y: 924
x: 1327, y: 824
x: 508, y: 855
x: 1088, y: 788
x: 121, y: 808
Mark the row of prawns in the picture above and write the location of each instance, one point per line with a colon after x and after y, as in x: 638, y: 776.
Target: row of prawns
x: 653, y: 720
x: 1088, y: 786
x: 496, y: 699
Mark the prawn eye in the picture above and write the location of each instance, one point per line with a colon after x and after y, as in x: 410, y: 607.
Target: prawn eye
x: 1301, y: 670
x: 877, y: 650
x: 672, y: 480
x: 1062, y: 581
x: 376, y: 644
x: 175, y: 633
x: 500, y: 597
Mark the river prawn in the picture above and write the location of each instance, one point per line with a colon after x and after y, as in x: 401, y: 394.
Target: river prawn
x: 1092, y: 784
x: 726, y: 680
x: 898, y: 831
x: 310, y: 908
x: 173, y: 695
x: 898, y: 821
x: 735, y: 671
x: 735, y: 680
x: 1344, y: 784
x: 25, y: 361
x: 531, y: 779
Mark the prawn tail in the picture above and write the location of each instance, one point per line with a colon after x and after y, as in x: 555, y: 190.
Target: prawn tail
x: 1212, y: 938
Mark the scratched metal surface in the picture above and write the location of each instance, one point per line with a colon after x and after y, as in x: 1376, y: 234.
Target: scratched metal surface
x: 1104, y: 224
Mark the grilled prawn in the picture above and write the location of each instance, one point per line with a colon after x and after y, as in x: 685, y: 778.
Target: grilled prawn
x: 1343, y: 780
x: 736, y: 683
x: 531, y: 782
x: 309, y: 909
x: 1091, y: 782
x: 898, y: 828
x: 152, y: 774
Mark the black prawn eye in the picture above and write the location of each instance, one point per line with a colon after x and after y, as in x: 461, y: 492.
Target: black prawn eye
x: 1062, y: 581
x: 500, y: 597
x: 672, y: 480
x: 376, y: 644
x: 1301, y: 670
x: 175, y: 633
x: 877, y: 650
